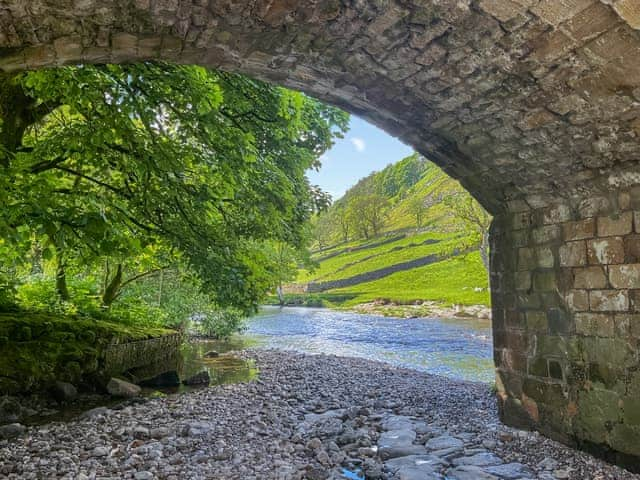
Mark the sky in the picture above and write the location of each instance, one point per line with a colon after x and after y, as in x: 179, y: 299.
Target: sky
x: 364, y: 148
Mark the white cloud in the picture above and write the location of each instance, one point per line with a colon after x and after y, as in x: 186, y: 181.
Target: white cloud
x: 359, y: 144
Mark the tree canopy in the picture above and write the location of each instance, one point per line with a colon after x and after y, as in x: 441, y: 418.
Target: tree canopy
x: 137, y: 167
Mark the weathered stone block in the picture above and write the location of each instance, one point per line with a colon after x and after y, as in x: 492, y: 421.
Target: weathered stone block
x: 529, y: 300
x: 636, y: 220
x: 556, y: 214
x: 521, y: 220
x: 546, y: 234
x: 579, y: 230
x: 577, y: 300
x: 573, y: 254
x: 544, y: 281
x: 627, y: 324
x: 632, y: 249
x: 629, y: 10
x: 503, y: 10
x: 597, y: 324
x: 605, y: 251
x: 593, y: 206
x: 609, y: 300
x: 555, y: 12
x: 634, y: 300
x: 615, y: 225
x: 589, y: 277
x: 526, y: 259
x: 523, y: 280
x: 595, y: 408
x: 537, y: 321
x: 68, y: 48
x: 545, y: 258
x: 591, y: 22
x: 625, y: 276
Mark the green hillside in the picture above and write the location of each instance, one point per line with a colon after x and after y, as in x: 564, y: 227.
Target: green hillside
x: 404, y: 236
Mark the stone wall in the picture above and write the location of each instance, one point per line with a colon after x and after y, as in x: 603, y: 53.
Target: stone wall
x: 314, y: 287
x: 142, y: 359
x: 566, y: 316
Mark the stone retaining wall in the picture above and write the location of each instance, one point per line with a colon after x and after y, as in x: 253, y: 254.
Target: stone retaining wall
x: 145, y: 357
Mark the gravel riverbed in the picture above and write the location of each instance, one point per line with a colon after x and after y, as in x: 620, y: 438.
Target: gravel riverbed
x: 307, y: 416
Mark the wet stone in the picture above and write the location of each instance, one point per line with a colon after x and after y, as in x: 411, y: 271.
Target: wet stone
x: 444, y: 442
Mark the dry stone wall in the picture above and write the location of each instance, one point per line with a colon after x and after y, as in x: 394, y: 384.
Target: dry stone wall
x: 566, y: 299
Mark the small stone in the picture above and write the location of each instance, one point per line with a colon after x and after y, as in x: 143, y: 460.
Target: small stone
x: 94, y: 412
x: 469, y: 472
x: 100, y: 452
x: 211, y: 354
x: 143, y: 475
x: 479, y: 460
x: 511, y: 471
x: 444, y: 442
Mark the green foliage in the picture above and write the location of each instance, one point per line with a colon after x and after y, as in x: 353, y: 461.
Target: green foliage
x: 198, y: 166
x: 219, y: 324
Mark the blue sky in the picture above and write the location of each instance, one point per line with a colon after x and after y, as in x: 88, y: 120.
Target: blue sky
x: 364, y: 149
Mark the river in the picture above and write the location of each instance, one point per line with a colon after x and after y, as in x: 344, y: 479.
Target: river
x: 456, y: 348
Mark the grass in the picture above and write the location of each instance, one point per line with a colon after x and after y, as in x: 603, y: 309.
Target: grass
x: 393, y: 257
x: 452, y: 281
x: 328, y: 268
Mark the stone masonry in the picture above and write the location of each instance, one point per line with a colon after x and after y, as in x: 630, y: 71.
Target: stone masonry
x: 534, y: 105
x: 566, y: 299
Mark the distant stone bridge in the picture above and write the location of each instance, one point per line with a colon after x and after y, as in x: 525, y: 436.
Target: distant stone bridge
x: 533, y: 105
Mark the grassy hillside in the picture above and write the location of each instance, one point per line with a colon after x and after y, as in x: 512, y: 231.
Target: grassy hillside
x: 418, y: 222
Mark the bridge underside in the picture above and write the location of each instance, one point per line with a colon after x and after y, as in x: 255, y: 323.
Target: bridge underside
x: 534, y: 105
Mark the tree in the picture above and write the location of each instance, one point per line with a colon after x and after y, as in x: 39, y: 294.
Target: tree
x: 419, y: 206
x: 285, y: 262
x: 465, y: 208
x: 105, y: 161
x: 341, y: 218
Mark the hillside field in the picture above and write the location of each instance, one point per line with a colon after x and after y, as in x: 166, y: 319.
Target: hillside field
x: 455, y: 275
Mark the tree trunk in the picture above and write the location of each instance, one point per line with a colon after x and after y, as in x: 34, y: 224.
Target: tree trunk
x: 61, y: 277
x: 113, y: 288
x: 280, y: 295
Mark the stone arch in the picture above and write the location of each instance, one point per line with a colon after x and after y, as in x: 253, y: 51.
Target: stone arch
x: 533, y: 105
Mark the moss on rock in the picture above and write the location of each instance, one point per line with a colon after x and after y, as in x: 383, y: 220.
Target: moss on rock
x: 38, y: 349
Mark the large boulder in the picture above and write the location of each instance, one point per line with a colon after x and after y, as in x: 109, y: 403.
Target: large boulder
x: 64, y: 392
x: 121, y: 388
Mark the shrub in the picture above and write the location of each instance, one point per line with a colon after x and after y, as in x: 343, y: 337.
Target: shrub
x: 219, y: 324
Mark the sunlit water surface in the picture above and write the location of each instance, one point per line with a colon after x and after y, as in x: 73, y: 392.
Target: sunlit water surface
x: 456, y: 348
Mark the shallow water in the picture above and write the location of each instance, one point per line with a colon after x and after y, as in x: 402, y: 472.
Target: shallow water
x: 456, y: 348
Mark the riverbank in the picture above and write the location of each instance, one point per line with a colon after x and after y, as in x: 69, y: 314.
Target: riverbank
x: 308, y: 416
x: 417, y: 309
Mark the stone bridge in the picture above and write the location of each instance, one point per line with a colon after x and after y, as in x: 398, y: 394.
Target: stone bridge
x: 533, y: 105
